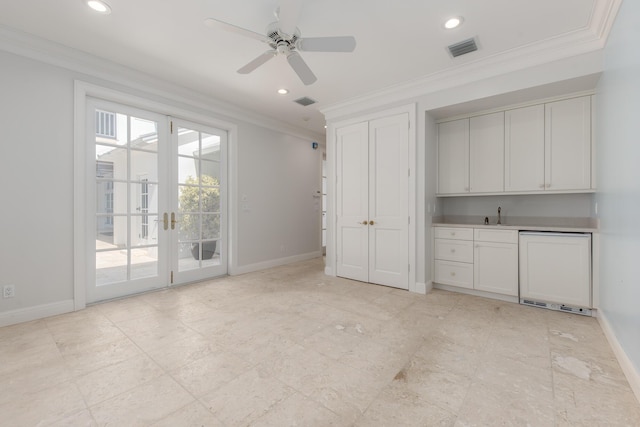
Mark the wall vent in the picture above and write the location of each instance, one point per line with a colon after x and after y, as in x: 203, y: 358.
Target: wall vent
x: 463, y: 47
x: 304, y: 101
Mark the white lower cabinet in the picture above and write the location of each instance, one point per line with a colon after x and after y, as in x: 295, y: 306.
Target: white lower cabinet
x: 483, y: 259
x: 453, y: 249
x: 454, y: 273
x: 495, y: 261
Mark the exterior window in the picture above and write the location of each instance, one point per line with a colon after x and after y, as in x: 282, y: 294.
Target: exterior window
x: 144, y: 208
x: 108, y: 202
x: 106, y: 124
x: 104, y: 172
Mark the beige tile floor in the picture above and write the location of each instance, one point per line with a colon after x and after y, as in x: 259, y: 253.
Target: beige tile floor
x: 290, y: 346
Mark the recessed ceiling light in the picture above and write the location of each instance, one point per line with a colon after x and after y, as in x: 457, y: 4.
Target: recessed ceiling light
x: 99, y: 6
x: 453, y: 22
x: 283, y: 91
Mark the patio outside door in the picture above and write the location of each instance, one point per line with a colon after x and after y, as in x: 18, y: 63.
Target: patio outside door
x: 156, y: 210
x: 198, y: 195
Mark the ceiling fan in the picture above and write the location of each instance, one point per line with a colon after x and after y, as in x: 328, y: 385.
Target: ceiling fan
x: 283, y: 38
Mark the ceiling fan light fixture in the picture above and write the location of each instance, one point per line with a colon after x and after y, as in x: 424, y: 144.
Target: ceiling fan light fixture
x: 283, y: 91
x: 453, y: 22
x: 99, y: 6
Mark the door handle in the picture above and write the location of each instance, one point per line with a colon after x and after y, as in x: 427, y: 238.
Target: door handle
x: 364, y: 222
x: 371, y: 222
x: 165, y: 221
x: 173, y: 221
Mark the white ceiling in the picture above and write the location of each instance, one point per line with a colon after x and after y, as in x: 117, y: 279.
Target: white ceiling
x: 397, y: 41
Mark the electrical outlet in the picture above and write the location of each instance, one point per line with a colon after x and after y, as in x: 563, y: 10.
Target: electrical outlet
x: 8, y: 291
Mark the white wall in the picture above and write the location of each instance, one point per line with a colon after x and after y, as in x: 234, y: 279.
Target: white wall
x: 618, y: 169
x: 36, y: 182
x: 277, y: 170
x: 278, y: 216
x: 540, y: 205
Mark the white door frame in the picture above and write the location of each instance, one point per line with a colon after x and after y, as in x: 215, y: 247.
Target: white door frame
x: 331, y: 260
x: 83, y: 90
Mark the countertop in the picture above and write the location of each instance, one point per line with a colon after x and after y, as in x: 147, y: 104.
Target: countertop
x: 559, y: 224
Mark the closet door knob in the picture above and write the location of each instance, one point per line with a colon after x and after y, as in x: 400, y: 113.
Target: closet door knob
x: 364, y: 223
x: 371, y: 222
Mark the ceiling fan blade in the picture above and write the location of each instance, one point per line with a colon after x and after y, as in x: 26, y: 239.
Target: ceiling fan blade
x: 214, y: 23
x: 301, y: 68
x: 288, y: 14
x: 257, y: 62
x: 327, y: 44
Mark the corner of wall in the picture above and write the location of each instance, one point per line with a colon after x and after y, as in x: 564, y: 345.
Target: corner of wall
x: 630, y: 370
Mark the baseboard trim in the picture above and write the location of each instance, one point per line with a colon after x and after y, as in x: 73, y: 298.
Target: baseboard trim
x: 491, y: 295
x: 250, y: 268
x: 428, y: 286
x: 420, y: 288
x: 630, y: 371
x: 37, y: 312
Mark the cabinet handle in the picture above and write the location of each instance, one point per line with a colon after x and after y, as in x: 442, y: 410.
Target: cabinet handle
x: 453, y: 233
x: 453, y: 273
x: 453, y: 251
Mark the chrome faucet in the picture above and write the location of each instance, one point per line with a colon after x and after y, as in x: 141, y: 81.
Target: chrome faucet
x: 499, y: 220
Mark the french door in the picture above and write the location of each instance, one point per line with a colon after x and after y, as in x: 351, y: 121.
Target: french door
x: 155, y: 215
x: 373, y: 201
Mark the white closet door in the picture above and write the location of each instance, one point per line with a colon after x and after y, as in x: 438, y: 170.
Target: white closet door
x: 388, y: 201
x: 352, y: 202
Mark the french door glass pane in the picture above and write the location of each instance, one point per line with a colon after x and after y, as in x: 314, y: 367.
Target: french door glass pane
x: 111, y: 197
x: 144, y: 262
x: 111, y: 267
x: 127, y: 198
x: 144, y: 134
x: 198, y: 199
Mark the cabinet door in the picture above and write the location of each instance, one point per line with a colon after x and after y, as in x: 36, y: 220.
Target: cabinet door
x: 568, y: 144
x: 486, y: 153
x: 495, y: 268
x: 453, y: 157
x: 524, y: 149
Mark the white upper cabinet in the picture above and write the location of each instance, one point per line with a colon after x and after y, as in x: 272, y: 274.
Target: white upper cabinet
x: 568, y: 144
x: 486, y: 153
x: 524, y: 149
x: 539, y: 148
x: 453, y: 157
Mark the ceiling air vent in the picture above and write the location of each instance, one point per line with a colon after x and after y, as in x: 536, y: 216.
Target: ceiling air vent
x: 463, y: 47
x: 304, y: 101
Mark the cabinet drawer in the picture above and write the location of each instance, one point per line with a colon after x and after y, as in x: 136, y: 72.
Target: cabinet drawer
x: 454, y: 250
x: 499, y: 236
x: 454, y: 233
x: 454, y: 273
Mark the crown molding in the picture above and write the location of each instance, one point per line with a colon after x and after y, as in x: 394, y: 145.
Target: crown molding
x: 584, y: 40
x: 84, y: 64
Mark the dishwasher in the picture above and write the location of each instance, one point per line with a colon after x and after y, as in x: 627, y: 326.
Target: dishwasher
x: 555, y: 271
